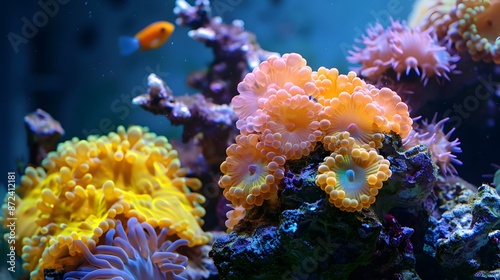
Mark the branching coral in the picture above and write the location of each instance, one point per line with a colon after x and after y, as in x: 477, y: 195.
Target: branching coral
x: 475, y: 28
x: 352, y: 176
x: 441, y: 148
x: 131, y: 253
x: 402, y: 49
x: 251, y: 172
x: 88, y: 185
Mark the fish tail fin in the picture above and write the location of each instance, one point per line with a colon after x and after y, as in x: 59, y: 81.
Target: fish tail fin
x: 128, y: 45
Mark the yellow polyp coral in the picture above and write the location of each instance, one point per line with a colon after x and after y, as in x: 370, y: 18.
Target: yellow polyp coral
x: 89, y: 184
x: 352, y: 176
x: 251, y: 172
x: 355, y: 113
x: 330, y: 83
x: 475, y: 28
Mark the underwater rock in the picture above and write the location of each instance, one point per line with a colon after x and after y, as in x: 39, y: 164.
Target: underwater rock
x: 464, y: 241
x: 393, y: 257
x: 304, y: 236
x: 413, y: 176
x: 315, y: 241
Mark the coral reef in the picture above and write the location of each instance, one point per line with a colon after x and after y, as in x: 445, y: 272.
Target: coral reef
x: 317, y: 174
x: 280, y: 120
x: 352, y: 170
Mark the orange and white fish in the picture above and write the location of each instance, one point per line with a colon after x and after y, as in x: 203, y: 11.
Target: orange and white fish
x: 151, y: 37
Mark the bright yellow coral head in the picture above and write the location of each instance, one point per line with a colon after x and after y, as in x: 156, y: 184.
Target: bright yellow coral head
x: 89, y: 184
x: 352, y: 176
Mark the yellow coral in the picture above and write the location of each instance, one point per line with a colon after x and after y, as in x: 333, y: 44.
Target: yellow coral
x: 352, y: 176
x: 475, y: 28
x: 90, y: 184
x: 357, y: 114
x: 252, y: 172
x: 330, y: 83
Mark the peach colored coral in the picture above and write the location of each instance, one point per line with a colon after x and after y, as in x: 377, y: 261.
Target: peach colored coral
x: 275, y: 72
x: 234, y: 216
x: 295, y: 118
x: 394, y: 111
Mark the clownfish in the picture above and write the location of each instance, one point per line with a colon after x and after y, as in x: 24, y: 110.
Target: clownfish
x: 151, y: 37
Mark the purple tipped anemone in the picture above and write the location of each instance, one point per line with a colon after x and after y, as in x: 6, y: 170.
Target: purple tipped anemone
x: 402, y: 49
x: 137, y: 254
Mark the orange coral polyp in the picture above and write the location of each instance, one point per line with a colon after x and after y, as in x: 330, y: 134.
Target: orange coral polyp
x: 89, y: 184
x: 352, y: 177
x: 295, y: 118
x: 355, y: 113
x: 249, y: 178
x: 330, y: 83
